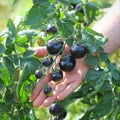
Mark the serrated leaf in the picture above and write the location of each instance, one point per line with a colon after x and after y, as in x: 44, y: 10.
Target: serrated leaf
x: 29, y: 33
x: 9, y: 41
x: 43, y: 2
x: 2, y: 48
x: 92, y: 11
x: 106, y: 86
x: 10, y: 49
x: 75, y: 1
x: 12, y: 33
x: 2, y: 85
x: 116, y: 82
x: 103, y: 107
x: 15, y: 59
x: 9, y: 97
x: 38, y: 14
x: 103, y: 57
x: 91, y: 60
x: 5, y: 75
x: 9, y: 65
x: 93, y: 32
x: 23, y: 94
x: 22, y: 42
x: 83, y: 91
x: 90, y: 41
x: 28, y: 54
x: 11, y: 28
x: 65, y: 27
x: 30, y: 65
x: 2, y: 107
x: 93, y: 75
x: 93, y: 40
x: 113, y: 69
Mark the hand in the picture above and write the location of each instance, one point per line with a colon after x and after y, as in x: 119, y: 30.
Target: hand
x: 71, y: 80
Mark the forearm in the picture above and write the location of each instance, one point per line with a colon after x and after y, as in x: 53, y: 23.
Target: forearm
x: 109, y: 26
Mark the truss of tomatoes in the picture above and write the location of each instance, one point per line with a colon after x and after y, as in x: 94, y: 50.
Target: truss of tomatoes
x: 66, y: 64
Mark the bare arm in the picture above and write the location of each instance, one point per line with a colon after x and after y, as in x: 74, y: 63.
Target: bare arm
x: 109, y: 26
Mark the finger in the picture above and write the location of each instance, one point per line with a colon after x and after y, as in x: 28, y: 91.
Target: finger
x: 68, y: 90
x: 41, y: 97
x: 67, y: 79
x: 39, y: 86
x: 37, y: 89
x: 40, y: 51
x: 59, y: 88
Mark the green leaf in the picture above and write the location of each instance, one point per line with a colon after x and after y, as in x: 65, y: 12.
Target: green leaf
x: 28, y: 54
x: 9, y: 97
x: 83, y: 91
x: 92, y: 11
x: 15, y: 59
x: 65, y: 27
x: 91, y: 60
x: 41, y: 2
x: 1, y: 84
x: 23, y: 94
x: 29, y: 33
x: 103, y: 57
x: 9, y: 41
x: 116, y: 82
x: 113, y: 69
x: 10, y: 49
x: 12, y: 33
x: 5, y: 75
x: 85, y: 117
x: 95, y: 33
x: 93, y: 75
x: 30, y: 65
x: 2, y: 48
x: 106, y: 87
x: 11, y: 28
x: 9, y: 65
x: 39, y: 14
x: 22, y: 42
x: 75, y: 1
x: 103, y: 107
x: 2, y: 107
x: 93, y: 41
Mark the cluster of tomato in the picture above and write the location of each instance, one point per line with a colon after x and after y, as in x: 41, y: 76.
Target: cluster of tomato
x: 67, y: 63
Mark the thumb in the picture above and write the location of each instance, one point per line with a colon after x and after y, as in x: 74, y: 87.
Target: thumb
x: 40, y: 51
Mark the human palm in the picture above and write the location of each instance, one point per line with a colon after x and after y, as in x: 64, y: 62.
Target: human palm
x: 71, y: 80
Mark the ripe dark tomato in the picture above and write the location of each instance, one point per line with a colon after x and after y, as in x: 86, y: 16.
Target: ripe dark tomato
x: 79, y: 8
x: 53, y: 47
x: 38, y: 74
x: 47, y: 61
x: 63, y: 114
x: 67, y: 63
x: 78, y: 51
x: 47, y: 90
x: 56, y: 75
x: 55, y: 109
x: 51, y: 29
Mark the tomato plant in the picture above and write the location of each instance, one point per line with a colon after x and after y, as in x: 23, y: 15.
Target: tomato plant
x: 70, y: 20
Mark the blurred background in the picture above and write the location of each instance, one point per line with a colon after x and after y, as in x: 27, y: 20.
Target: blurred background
x: 8, y: 10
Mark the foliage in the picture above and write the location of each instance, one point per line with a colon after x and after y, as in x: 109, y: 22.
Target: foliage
x: 100, y: 92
